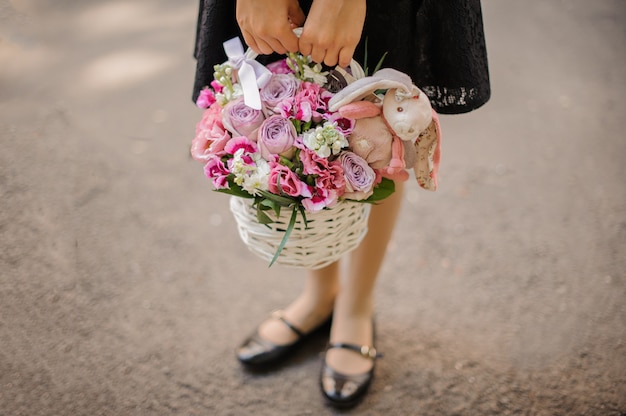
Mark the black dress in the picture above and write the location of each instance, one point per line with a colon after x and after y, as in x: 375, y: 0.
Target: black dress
x: 439, y: 43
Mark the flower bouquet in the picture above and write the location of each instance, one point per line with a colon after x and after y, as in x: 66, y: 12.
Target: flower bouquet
x: 269, y: 138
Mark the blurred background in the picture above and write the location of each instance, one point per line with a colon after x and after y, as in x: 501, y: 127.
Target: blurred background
x: 124, y: 287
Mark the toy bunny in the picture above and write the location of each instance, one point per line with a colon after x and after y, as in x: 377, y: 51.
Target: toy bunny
x: 394, y: 132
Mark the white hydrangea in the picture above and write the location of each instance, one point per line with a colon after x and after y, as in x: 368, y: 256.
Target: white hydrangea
x: 325, y: 140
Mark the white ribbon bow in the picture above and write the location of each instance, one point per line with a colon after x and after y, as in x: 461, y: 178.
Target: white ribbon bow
x: 252, y: 74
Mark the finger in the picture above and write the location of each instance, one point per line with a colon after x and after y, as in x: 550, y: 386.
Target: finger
x: 264, y: 47
x: 331, y: 57
x: 249, y: 39
x: 345, y: 56
x: 305, y: 48
x: 289, y: 41
x: 276, y: 45
x: 317, y: 54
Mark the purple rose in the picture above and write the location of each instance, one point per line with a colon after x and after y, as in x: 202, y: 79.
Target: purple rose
x: 360, y: 177
x: 242, y: 120
x: 279, y: 88
x: 276, y: 136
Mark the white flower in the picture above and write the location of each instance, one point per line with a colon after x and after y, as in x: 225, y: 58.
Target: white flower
x: 257, y: 179
x: 240, y: 168
x: 315, y: 73
x: 325, y: 140
x: 228, y: 95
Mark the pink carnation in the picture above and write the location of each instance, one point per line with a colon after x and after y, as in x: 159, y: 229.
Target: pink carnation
x: 242, y: 142
x: 206, y: 98
x: 217, y: 87
x: 344, y: 125
x: 321, y: 198
x: 307, y: 102
x: 215, y: 170
x: 313, y: 164
x: 332, y: 179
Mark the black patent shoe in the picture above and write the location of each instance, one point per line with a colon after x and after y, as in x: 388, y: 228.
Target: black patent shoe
x: 343, y: 390
x: 256, y: 350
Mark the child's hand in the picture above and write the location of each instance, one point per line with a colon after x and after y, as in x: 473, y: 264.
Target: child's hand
x: 332, y: 31
x: 267, y: 25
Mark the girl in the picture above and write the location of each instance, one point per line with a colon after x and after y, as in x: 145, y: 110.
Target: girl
x: 440, y: 44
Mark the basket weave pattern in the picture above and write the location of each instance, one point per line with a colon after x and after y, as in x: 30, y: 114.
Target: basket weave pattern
x: 331, y: 233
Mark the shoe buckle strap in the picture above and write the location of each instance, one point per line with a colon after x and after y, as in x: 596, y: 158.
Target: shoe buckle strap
x: 365, y: 350
x: 280, y: 316
x: 368, y: 352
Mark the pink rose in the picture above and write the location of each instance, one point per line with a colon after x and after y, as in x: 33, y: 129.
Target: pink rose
x: 210, y: 135
x: 206, y: 98
x: 276, y: 136
x: 279, y: 88
x: 283, y: 180
x: 242, y: 120
x: 360, y: 177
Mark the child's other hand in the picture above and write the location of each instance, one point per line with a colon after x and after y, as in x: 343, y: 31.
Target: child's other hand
x: 332, y: 31
x: 267, y: 25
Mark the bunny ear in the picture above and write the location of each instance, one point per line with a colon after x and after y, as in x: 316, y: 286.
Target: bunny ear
x: 428, y: 152
x: 384, y: 79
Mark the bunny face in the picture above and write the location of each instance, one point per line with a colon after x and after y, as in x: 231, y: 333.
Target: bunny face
x: 407, y: 114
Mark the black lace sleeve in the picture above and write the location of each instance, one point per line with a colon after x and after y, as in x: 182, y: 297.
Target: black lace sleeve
x: 439, y: 43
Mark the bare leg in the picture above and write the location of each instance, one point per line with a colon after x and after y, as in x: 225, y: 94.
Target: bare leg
x: 352, y: 316
x: 311, y: 307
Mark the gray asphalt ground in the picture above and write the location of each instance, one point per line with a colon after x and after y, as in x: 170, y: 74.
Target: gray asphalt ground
x: 124, y: 287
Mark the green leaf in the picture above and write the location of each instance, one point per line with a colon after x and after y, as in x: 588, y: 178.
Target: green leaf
x: 234, y: 189
x: 383, y: 190
x: 284, y: 201
x: 292, y: 223
x: 303, y: 213
x: 262, y: 217
x: 298, y: 125
x: 267, y: 204
x: 365, y: 68
x: 380, y: 63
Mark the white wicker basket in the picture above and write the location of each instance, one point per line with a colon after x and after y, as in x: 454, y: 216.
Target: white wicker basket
x: 330, y: 234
